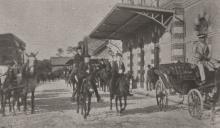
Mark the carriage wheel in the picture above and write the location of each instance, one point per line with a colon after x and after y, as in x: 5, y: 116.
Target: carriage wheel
x: 161, y: 95
x: 195, y: 103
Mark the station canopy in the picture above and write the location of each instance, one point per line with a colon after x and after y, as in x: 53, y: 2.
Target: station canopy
x: 124, y: 19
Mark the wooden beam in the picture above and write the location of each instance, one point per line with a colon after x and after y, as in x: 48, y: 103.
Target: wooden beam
x: 168, y: 19
x: 152, y: 18
x: 125, y: 24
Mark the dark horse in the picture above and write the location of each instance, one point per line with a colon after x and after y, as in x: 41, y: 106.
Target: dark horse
x: 86, y: 87
x: 104, y: 75
x: 120, y: 90
x: 86, y: 95
x: 7, y: 90
x: 216, y: 94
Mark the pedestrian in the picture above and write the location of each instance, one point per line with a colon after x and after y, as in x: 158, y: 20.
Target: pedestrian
x: 148, y: 79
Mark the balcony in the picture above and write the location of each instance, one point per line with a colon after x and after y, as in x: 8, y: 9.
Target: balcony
x: 151, y: 3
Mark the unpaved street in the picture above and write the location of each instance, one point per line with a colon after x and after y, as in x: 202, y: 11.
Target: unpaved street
x: 54, y: 109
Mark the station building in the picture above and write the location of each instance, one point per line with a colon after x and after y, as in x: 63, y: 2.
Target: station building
x: 12, y: 49
x: 157, y: 33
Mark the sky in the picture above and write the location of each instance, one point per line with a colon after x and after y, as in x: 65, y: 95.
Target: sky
x: 46, y: 25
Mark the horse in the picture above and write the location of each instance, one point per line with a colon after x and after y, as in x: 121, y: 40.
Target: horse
x: 11, y: 89
x: 119, y: 91
x: 86, y: 92
x: 3, y: 72
x: 30, y: 80
x: 104, y: 75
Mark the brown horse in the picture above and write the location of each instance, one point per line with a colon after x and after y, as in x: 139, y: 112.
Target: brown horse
x: 11, y: 90
x: 86, y: 96
x: 119, y: 91
x: 104, y: 75
x: 216, y: 95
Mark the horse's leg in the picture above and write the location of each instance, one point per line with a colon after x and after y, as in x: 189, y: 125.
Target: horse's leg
x: 213, y: 111
x: 9, y: 102
x: 13, y: 103
x: 116, y: 103
x: 111, y: 97
x: 77, y: 101
x: 74, y: 92
x: 120, y: 104
x: 32, y: 101
x: 83, y: 103
x: 125, y: 103
x: 104, y: 87
x: 3, y: 104
x: 89, y: 104
x: 18, y: 103
x: 25, y: 101
x: 84, y: 107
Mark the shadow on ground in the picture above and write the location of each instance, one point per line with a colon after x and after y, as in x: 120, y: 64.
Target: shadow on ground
x: 51, y: 102
x: 147, y: 110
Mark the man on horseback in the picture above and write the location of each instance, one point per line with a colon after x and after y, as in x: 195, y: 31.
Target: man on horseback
x: 78, y: 58
x: 86, y: 69
x: 118, y: 70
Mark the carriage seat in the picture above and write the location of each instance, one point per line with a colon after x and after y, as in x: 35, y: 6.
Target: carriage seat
x: 178, y: 71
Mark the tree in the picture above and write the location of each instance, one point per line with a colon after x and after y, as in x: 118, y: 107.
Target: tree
x: 60, y: 52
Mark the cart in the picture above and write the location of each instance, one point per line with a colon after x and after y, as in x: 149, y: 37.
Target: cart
x: 183, y: 78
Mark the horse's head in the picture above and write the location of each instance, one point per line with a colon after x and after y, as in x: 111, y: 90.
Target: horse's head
x: 88, y: 85
x: 30, y: 65
x: 3, y: 72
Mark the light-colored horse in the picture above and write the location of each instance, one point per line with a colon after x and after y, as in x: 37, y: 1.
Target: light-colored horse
x: 30, y: 79
x: 3, y: 71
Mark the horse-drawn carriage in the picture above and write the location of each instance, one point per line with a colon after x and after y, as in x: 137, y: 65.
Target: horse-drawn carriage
x: 184, y: 79
x: 18, y: 78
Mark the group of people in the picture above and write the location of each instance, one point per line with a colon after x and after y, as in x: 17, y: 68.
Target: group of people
x: 83, y: 68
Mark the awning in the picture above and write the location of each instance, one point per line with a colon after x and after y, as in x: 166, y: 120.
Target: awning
x: 124, y: 19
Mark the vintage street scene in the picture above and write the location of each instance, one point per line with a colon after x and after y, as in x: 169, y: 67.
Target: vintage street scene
x: 109, y: 64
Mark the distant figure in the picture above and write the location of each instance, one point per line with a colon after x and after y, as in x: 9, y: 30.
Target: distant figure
x: 149, y: 79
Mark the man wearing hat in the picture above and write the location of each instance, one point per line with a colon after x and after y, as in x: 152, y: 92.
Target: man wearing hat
x: 78, y: 57
x: 118, y: 69
x: 86, y: 69
x: 202, y: 56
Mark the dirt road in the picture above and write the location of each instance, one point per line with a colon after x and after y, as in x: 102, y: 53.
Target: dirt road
x: 54, y: 109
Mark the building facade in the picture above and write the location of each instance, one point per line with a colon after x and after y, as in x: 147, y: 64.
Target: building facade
x: 11, y: 49
x: 165, y: 28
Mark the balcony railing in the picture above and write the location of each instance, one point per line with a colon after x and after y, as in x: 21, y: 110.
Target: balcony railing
x: 153, y: 3
x: 140, y: 2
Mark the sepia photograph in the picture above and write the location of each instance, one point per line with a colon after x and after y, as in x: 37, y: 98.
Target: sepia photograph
x: 109, y: 63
